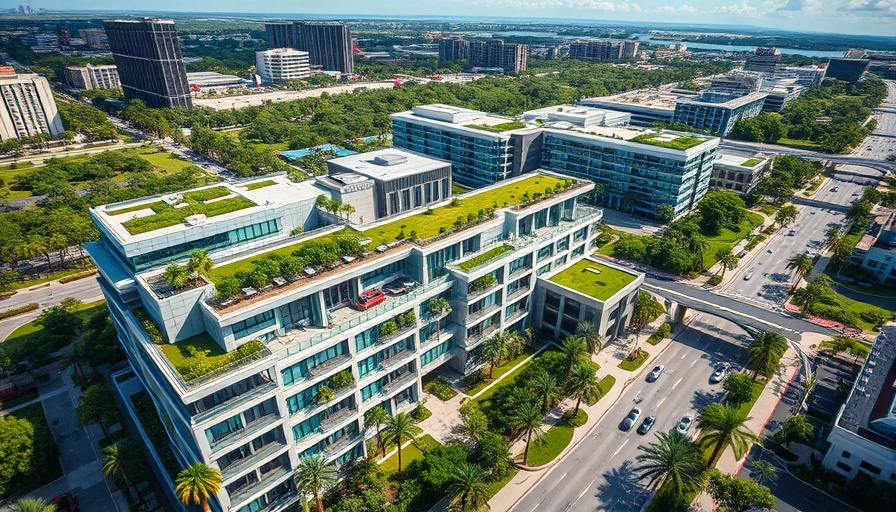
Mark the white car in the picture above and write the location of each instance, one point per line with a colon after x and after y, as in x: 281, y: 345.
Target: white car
x: 655, y: 373
x: 684, y: 425
x: 630, y: 420
x: 720, y: 372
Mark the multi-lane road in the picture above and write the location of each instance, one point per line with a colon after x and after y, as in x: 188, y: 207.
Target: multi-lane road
x: 598, y: 474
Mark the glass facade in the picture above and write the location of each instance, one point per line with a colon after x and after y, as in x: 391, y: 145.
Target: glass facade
x: 299, y: 371
x: 436, y: 352
x: 252, y: 325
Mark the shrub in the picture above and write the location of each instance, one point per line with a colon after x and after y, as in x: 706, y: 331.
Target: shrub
x: 79, y: 275
x: 152, y: 330
x: 440, y: 389
x: 18, y: 311
x: 576, y: 420
x: 665, y: 330
x: 406, y: 319
x: 420, y: 412
x: 388, y: 328
x: 343, y: 379
x: 227, y: 287
x: 714, y: 280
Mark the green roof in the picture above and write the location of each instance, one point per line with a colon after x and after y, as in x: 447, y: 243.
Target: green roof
x: 205, y: 201
x: 602, y: 284
x: 498, y: 128
x: 200, y: 355
x: 751, y: 162
x: 428, y: 223
x: 680, y: 143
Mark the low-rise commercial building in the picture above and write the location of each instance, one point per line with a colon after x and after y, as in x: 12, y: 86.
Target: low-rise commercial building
x: 718, y: 112
x: 87, y: 78
x: 863, y: 436
x: 205, y: 80
x: 28, y: 107
x: 876, y: 250
x: 739, y: 173
x: 282, y: 65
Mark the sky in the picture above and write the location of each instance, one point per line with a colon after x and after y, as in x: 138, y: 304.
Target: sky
x: 872, y: 17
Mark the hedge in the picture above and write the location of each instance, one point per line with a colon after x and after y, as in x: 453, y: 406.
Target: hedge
x: 79, y: 275
x: 18, y: 311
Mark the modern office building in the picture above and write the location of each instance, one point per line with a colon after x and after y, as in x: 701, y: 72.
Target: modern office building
x: 639, y: 169
x: 27, y: 108
x: 94, y: 38
x: 482, y: 148
x: 329, y: 44
x: 718, y: 112
x: 646, y: 107
x: 282, y: 64
x: 738, y: 173
x: 847, y: 70
x: 737, y: 82
x: 765, y: 60
x: 87, y: 78
x: 495, y: 53
x: 201, y: 81
x: 454, y: 48
x: 575, y: 115
x: 806, y: 76
x: 249, y: 406
x: 149, y: 60
x: 863, y: 436
x: 876, y: 250
x: 603, y: 49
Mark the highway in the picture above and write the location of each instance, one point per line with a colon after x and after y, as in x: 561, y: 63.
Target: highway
x: 598, y: 474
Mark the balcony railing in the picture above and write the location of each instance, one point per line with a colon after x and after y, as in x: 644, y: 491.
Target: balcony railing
x: 482, y: 312
x: 483, y: 291
x: 240, y: 495
x: 519, y: 292
x: 238, y: 466
x: 430, y: 318
x: 315, y: 407
x: 246, y: 432
x: 390, y: 306
x: 328, y: 365
x: 516, y: 314
x: 476, y: 338
x: 235, y: 401
x: 520, y: 270
x: 336, y: 419
x: 394, y: 359
x: 340, y: 444
x: 399, y: 381
x: 397, y: 334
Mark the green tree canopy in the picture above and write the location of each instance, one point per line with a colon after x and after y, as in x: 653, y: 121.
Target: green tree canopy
x: 16, y: 449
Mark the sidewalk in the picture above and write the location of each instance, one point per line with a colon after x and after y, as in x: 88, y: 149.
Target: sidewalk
x: 608, y: 359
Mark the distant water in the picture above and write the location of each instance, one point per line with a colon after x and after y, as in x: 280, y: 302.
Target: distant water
x: 735, y: 48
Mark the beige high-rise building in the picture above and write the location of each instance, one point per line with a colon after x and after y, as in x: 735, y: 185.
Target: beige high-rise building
x: 89, y: 77
x: 28, y: 107
x: 282, y: 65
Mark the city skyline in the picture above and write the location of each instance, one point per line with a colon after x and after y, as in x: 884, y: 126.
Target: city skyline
x: 862, y: 17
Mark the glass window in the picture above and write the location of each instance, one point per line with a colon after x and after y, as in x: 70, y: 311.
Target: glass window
x: 551, y: 299
x: 224, y: 428
x: 253, y: 324
x: 436, y: 261
x: 367, y: 392
x: 545, y: 252
x: 563, y: 244
x: 367, y: 338
x: 380, y: 274
x: 544, y: 269
x: 307, y: 427
x: 434, y: 353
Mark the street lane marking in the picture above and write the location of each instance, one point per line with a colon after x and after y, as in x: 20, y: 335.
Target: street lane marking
x: 695, y: 362
x: 583, y: 492
x: 683, y: 356
x: 619, y: 449
x: 660, y: 403
x: 676, y: 383
x: 562, y: 477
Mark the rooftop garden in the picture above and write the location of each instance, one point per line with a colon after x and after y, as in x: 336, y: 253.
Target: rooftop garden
x: 201, y: 355
x: 485, y: 257
x: 751, y: 162
x: 680, y: 143
x: 464, y: 211
x: 207, y: 202
x: 498, y: 128
x: 593, y: 279
x: 259, y: 184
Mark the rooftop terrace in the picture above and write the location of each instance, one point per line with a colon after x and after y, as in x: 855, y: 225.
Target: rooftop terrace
x: 668, y: 139
x: 748, y: 162
x: 593, y: 279
x: 450, y: 115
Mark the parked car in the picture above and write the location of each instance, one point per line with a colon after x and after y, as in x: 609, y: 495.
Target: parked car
x: 9, y: 391
x: 630, y: 420
x: 684, y: 425
x: 646, y: 425
x: 720, y: 372
x: 370, y: 299
x: 655, y: 373
x: 65, y: 503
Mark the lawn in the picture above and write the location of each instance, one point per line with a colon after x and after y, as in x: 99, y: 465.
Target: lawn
x: 758, y: 386
x: 554, y: 441
x: 458, y: 189
x: 22, y: 342
x: 429, y: 223
x: 485, y: 257
x: 799, y: 143
x: 727, y: 238
x: 632, y: 365
x: 852, y: 308
x: 166, y: 216
x: 409, y: 453
x: 498, y: 128
x: 769, y: 209
x: 21, y: 399
x: 601, y: 285
x: 499, y: 371
x: 162, y: 160
x: 493, y: 488
x: 483, y: 398
x: 44, y: 467
x: 657, y: 139
x: 751, y: 162
x: 54, y: 276
x: 187, y: 356
x: 605, y: 385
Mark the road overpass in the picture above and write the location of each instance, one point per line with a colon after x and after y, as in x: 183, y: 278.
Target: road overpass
x: 773, y: 149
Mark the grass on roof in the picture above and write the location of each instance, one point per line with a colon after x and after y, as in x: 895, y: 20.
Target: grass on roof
x: 259, y: 184
x: 427, y: 224
x: 200, y: 354
x: 485, y: 257
x: 246, y: 265
x: 498, y: 128
x: 680, y: 143
x: 601, y: 285
x: 166, y: 215
x: 751, y: 162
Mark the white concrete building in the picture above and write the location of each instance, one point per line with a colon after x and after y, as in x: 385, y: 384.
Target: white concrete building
x: 282, y: 65
x: 87, y: 78
x: 27, y: 108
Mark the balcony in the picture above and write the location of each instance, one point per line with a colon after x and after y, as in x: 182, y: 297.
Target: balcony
x: 482, y: 312
x: 516, y: 315
x: 393, y: 360
x: 314, y: 407
x: 483, y: 291
x: 477, y: 338
x: 238, y: 496
x: 234, y: 402
x: 342, y: 443
x: 383, y: 340
x: 247, y: 432
x: 521, y: 270
x: 430, y: 318
x: 337, y: 418
x: 399, y: 382
x: 328, y: 365
x: 519, y: 292
x: 237, y: 467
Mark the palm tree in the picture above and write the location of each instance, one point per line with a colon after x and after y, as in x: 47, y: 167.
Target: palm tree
x: 574, y: 351
x: 348, y: 210
x: 116, y: 457
x: 588, y: 332
x: 314, y: 474
x: 674, y: 458
x: 526, y: 420
x: 803, y: 264
x: 698, y: 245
x: 764, y: 470
x: 196, y: 484
x: 832, y: 237
x: 765, y: 351
x: 824, y: 281
x: 544, y: 385
x: 200, y: 263
x: 529, y: 336
x: 494, y: 351
x: 725, y: 424
x: 583, y: 385
x: 377, y: 417
x: 467, y: 488
x: 729, y: 260
x: 33, y: 505
x: 808, y: 296
x: 398, y: 428
x: 175, y: 275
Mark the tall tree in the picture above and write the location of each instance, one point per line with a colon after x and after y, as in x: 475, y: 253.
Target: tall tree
x: 725, y: 424
x: 545, y: 387
x: 574, y: 351
x: 494, y: 351
x: 734, y: 494
x: 729, y: 260
x: 117, y: 460
x: 200, y: 263
x: 526, y: 420
x: 399, y: 428
x: 583, y: 385
x: 764, y: 470
x: 786, y: 215
x: 314, y: 474
x: 796, y: 428
x: 377, y: 417
x: 467, y: 488
x: 196, y: 484
x: 16, y: 449
x: 588, y: 332
x: 802, y: 264
x: 97, y: 405
x: 765, y: 351
x: 674, y: 458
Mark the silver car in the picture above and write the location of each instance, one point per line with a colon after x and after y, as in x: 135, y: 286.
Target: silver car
x: 721, y: 371
x: 684, y: 425
x: 630, y: 420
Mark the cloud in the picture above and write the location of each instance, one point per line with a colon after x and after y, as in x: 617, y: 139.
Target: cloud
x: 681, y: 9
x: 801, y: 6
x: 870, y: 8
x: 741, y: 9
x: 582, y: 5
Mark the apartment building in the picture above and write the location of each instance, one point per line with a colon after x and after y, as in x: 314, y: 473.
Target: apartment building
x: 739, y: 173
x: 27, y: 107
x: 495, y: 53
x: 248, y: 405
x: 282, y: 65
x: 454, y: 48
x: 329, y: 44
x: 603, y: 49
x: 88, y: 78
x: 718, y: 112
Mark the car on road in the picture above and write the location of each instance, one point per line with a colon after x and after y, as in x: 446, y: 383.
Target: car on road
x: 630, y: 420
x: 646, y: 425
x: 655, y: 373
x: 748, y: 276
x: 684, y: 425
x: 721, y: 371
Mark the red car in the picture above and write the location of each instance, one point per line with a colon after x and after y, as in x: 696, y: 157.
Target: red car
x: 66, y: 503
x: 370, y: 299
x: 10, y: 391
